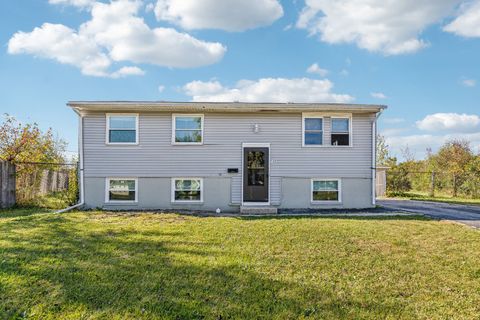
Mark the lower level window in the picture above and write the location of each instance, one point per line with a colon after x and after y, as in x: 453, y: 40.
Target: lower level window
x: 187, y: 189
x: 326, y: 190
x: 122, y: 189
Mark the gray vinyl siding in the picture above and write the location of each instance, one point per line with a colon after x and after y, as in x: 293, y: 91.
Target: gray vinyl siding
x: 224, y: 134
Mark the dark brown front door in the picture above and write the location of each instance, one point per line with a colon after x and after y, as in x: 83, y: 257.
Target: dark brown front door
x: 255, y: 174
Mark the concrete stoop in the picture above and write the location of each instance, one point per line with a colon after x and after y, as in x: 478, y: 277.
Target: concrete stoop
x: 258, y: 210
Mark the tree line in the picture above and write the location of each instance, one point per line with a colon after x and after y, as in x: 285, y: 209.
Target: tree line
x: 454, y: 169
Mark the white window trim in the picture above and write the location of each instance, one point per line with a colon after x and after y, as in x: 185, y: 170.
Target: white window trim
x: 339, y: 181
x: 350, y: 133
x: 323, y: 115
x: 186, y: 201
x: 174, y: 129
x: 107, y: 126
x: 107, y: 190
x: 313, y: 116
x: 256, y: 145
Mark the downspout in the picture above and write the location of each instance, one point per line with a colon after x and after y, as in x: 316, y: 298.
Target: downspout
x: 81, y: 189
x: 374, y: 157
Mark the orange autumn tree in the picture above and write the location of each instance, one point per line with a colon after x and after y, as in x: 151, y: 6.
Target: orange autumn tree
x: 37, y: 155
x: 27, y: 143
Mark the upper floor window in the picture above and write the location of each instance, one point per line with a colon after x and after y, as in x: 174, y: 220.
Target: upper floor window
x: 340, y: 131
x: 122, y: 128
x: 312, y: 131
x: 187, y: 129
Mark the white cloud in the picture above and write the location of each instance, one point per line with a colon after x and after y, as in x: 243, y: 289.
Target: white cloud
x: 419, y: 143
x: 56, y: 41
x: 161, y: 88
x: 450, y: 122
x: 344, y: 72
x: 315, y: 68
x: 115, y: 33
x: 267, y: 90
x: 378, y: 95
x: 75, y: 3
x: 443, y: 127
x: 203, y: 88
x: 128, y: 71
x: 390, y: 27
x: 469, y: 82
x: 117, y: 27
x: 467, y: 24
x: 229, y: 15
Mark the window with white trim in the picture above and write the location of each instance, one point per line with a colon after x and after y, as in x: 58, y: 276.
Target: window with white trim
x: 187, y: 129
x: 121, y: 190
x: 326, y: 190
x: 340, y: 133
x: 187, y: 190
x: 122, y: 129
x: 312, y: 131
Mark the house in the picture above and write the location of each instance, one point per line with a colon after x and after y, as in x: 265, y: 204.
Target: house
x: 227, y: 156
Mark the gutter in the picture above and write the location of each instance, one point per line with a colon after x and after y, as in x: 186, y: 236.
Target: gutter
x: 157, y: 106
x: 80, y: 173
x: 374, y: 157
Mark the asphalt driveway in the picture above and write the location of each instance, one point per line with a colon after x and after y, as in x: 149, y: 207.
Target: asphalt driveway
x: 469, y: 215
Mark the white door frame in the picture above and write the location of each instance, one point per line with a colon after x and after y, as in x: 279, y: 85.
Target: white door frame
x: 255, y: 145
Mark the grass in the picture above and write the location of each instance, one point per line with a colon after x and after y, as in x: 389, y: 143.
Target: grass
x: 424, y: 196
x: 44, y: 204
x: 54, y: 200
x: 100, y: 265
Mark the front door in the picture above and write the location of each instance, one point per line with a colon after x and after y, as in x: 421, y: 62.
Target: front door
x: 255, y: 174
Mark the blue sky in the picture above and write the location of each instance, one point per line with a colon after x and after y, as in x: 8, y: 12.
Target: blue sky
x: 421, y: 58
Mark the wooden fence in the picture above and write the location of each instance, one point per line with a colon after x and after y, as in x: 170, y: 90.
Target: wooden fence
x: 23, y: 183
x: 37, y: 180
x: 381, y: 181
x: 7, y: 184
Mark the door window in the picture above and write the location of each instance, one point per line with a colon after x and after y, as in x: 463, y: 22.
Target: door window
x: 256, y: 168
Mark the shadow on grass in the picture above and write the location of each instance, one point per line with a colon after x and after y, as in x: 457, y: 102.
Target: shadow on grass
x: 67, y: 269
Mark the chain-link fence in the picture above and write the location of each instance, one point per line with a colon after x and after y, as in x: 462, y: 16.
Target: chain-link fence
x: 53, y: 185
x: 433, y: 183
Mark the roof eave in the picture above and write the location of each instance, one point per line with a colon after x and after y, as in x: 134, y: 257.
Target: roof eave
x: 122, y: 106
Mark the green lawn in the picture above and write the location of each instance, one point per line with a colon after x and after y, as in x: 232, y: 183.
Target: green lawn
x: 54, y: 200
x: 423, y: 196
x: 98, y: 265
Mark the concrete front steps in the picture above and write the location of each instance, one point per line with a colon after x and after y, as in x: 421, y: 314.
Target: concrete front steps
x: 258, y: 210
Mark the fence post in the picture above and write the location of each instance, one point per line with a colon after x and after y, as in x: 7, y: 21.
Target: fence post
x: 7, y: 184
x: 454, y: 185
x: 432, y: 184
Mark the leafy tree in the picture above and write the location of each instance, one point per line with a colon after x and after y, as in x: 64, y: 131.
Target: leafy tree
x: 383, y: 154
x: 471, y: 185
x: 453, y: 159
x: 397, y: 177
x: 27, y: 143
